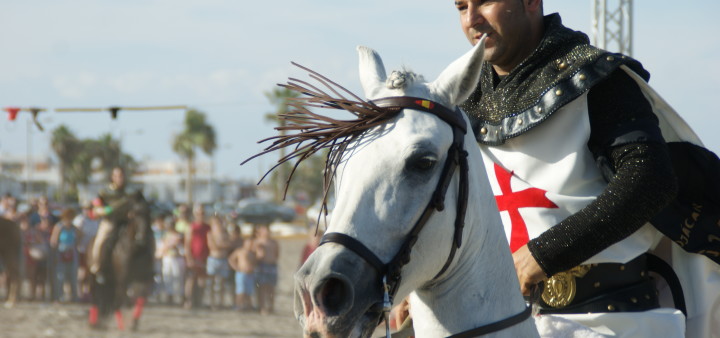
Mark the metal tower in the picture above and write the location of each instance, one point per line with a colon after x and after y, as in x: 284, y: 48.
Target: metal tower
x: 612, y: 26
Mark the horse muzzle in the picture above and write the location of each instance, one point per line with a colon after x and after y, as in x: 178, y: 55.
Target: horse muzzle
x: 337, y: 294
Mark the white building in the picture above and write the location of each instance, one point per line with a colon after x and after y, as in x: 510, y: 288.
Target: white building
x: 160, y: 180
x: 17, y: 170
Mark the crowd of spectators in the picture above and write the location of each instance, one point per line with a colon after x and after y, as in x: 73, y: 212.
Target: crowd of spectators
x: 200, y: 261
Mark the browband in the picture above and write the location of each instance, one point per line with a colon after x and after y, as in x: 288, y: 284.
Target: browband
x: 452, y: 117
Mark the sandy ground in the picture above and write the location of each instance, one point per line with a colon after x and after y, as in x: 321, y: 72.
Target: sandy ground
x: 70, y: 320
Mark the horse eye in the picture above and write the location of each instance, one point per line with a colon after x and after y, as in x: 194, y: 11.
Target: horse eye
x: 425, y: 163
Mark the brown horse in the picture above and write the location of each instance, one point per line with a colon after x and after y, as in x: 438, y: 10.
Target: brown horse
x: 127, y: 264
x: 10, y: 242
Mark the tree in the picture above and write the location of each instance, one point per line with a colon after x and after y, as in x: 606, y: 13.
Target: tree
x: 279, y: 98
x: 66, y: 146
x: 197, y: 134
x: 76, y: 155
x: 107, y: 150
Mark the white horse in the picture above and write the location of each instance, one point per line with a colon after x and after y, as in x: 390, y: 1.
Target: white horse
x: 383, y: 183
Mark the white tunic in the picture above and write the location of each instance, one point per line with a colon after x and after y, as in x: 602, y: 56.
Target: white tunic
x: 554, y: 157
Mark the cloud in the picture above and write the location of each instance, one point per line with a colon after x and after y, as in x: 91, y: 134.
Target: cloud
x: 219, y: 84
x: 75, y: 86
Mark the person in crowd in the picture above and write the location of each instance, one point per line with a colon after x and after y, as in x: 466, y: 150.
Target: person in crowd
x: 65, y: 239
x: 159, y: 228
x: 196, y: 254
x: 312, y: 243
x: 182, y: 220
x: 235, y: 237
x: 35, y: 252
x: 42, y: 218
x: 243, y: 261
x: 267, y: 251
x: 171, y: 252
x: 236, y: 241
x: 11, y: 209
x: 217, y: 262
x: 88, y: 226
x: 42, y: 212
x: 4, y: 202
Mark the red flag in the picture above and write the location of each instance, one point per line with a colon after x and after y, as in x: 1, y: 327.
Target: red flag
x: 12, y: 112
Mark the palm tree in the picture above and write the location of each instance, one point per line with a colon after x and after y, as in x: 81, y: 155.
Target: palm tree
x: 107, y: 149
x: 279, y: 98
x: 66, y: 146
x: 197, y: 134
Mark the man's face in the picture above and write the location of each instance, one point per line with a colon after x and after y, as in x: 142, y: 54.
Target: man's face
x: 506, y: 24
x: 117, y: 177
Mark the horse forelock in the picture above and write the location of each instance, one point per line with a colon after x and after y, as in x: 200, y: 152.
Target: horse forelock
x: 401, y: 79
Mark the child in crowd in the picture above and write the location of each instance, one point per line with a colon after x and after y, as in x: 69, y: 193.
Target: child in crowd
x: 236, y: 241
x: 243, y: 261
x: 170, y: 251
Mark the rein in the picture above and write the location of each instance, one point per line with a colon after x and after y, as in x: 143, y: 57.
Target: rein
x: 457, y: 157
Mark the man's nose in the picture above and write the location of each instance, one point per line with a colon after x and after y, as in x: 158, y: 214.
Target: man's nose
x: 474, y: 16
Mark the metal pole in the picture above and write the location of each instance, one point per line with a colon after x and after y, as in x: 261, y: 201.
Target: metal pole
x: 630, y: 28
x: 28, y: 161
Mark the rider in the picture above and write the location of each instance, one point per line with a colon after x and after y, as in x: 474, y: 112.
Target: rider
x: 572, y: 124
x: 108, y: 199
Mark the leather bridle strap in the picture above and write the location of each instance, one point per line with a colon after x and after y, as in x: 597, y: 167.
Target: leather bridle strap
x: 355, y: 246
x: 496, y: 326
x: 452, y: 117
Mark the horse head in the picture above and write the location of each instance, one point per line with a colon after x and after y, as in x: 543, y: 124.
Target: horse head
x: 381, y: 235
x: 139, y: 219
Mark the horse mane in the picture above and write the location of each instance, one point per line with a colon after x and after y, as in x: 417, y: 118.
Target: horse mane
x: 308, y: 132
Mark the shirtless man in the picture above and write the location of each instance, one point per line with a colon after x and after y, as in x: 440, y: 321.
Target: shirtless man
x: 267, y: 251
x: 243, y: 260
x: 217, y: 263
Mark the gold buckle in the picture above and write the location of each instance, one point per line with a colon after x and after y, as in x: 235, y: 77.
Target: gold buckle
x: 560, y: 289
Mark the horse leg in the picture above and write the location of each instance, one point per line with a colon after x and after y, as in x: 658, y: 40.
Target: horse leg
x: 137, y: 312
x: 119, y: 320
x: 12, y: 273
x: 93, y: 316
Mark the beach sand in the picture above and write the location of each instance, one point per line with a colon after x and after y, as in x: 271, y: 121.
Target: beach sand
x: 70, y: 320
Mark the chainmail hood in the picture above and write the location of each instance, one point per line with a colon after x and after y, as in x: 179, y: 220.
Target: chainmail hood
x: 562, y: 68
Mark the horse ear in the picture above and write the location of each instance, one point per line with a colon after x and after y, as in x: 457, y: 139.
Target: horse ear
x: 460, y: 78
x: 372, y: 71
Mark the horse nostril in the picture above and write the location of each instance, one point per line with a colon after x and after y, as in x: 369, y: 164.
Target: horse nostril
x: 335, y: 297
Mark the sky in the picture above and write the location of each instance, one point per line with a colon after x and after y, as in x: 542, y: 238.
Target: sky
x: 221, y: 56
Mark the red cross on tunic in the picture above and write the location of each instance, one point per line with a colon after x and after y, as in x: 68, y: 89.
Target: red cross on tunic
x: 512, y: 201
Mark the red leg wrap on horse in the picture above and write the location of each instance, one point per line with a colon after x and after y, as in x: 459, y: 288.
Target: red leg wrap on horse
x: 139, y: 303
x: 119, y: 320
x: 93, y: 315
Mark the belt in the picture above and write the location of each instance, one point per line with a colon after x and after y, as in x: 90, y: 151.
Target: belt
x: 604, y: 287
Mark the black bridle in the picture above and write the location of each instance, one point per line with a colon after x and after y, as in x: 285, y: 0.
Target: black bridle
x: 457, y: 157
